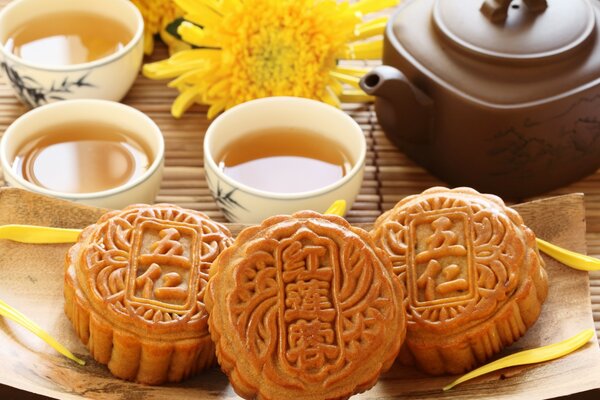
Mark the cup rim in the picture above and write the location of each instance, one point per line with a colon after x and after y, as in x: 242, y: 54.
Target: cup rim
x: 137, y: 36
x: 357, y: 166
x: 93, y: 103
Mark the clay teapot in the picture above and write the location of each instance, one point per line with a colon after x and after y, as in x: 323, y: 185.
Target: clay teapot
x: 500, y: 95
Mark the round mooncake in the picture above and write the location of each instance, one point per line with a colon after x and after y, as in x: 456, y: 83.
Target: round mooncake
x: 304, y: 307
x: 134, y: 291
x: 474, y: 279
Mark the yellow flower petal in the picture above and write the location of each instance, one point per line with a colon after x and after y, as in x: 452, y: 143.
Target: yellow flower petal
x: 13, y: 314
x: 194, y: 55
x: 361, y: 51
x: 38, y: 234
x: 196, y: 35
x: 220, y: 88
x: 331, y: 98
x: 186, y: 79
x: 354, y: 71
x: 345, y: 78
x: 175, y: 45
x: 336, y: 86
x: 166, y: 70
x: 148, y: 43
x: 369, y: 6
x: 215, y: 109
x: 375, y: 21
x: 220, y: 6
x: 372, y: 28
x: 208, y: 18
x: 229, y: 6
x: 193, y: 6
x: 183, y: 102
x: 532, y: 356
x: 355, y: 96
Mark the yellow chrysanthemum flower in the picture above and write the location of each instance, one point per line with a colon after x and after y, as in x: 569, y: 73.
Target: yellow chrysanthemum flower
x: 248, y: 49
x: 157, y: 15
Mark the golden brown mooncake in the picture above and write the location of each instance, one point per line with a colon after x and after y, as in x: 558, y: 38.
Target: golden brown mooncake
x: 134, y: 291
x: 304, y: 307
x: 474, y: 279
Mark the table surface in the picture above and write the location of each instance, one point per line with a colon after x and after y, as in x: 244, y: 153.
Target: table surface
x: 389, y: 174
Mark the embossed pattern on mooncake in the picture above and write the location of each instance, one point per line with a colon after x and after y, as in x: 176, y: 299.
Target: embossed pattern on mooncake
x: 304, y: 307
x: 142, y: 273
x: 151, y: 264
x: 474, y: 279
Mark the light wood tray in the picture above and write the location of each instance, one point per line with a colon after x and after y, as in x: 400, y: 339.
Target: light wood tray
x: 32, y: 281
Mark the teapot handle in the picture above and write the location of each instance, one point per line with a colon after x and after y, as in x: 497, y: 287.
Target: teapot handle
x: 497, y: 10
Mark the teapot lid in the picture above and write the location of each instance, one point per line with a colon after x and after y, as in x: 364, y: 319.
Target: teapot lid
x: 515, y: 29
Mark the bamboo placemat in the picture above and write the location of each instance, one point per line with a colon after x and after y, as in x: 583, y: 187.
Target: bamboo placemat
x: 389, y: 175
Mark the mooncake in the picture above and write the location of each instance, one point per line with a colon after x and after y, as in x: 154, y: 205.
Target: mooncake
x: 134, y: 291
x: 304, y: 307
x: 474, y: 279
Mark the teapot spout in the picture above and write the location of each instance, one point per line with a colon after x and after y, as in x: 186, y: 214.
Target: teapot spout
x: 403, y: 110
x: 378, y: 82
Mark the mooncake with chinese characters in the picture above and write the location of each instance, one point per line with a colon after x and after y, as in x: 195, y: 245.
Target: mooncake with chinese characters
x: 304, y: 307
x: 134, y: 291
x: 474, y: 279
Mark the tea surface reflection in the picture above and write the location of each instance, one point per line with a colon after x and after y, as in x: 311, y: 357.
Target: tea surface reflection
x: 68, y: 38
x: 81, y: 158
x: 284, y: 160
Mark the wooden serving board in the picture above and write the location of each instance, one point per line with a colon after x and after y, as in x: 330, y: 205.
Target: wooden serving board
x: 32, y: 280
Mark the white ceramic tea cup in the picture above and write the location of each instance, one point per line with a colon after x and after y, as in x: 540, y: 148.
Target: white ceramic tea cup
x: 107, y: 78
x: 143, y: 189
x: 245, y: 204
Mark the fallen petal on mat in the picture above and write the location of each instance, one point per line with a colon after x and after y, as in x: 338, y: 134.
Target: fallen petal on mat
x: 38, y: 234
x: 539, y: 354
x: 338, y: 207
x: 571, y: 259
x: 20, y: 318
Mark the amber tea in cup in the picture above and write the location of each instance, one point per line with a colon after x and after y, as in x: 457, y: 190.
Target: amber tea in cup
x: 284, y: 160
x: 324, y: 147
x: 81, y: 158
x: 68, y: 38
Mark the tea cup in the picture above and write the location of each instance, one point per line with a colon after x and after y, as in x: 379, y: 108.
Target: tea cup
x: 245, y: 204
x: 142, y: 189
x: 107, y: 78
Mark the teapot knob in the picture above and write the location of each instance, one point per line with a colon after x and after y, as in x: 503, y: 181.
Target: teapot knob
x: 497, y: 10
